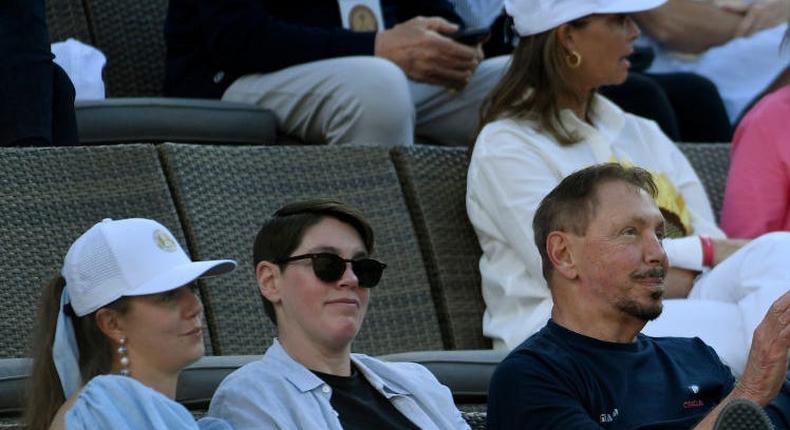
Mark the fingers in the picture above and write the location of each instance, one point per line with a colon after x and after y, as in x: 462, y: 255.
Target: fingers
x: 419, y: 47
x: 438, y: 24
x: 782, y: 304
x: 740, y: 9
x: 762, y: 15
x: 768, y: 358
x: 746, y: 25
x: 451, y: 64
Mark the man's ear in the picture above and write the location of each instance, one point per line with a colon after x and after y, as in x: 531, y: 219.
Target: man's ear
x: 110, y: 323
x: 268, y: 275
x: 561, y: 254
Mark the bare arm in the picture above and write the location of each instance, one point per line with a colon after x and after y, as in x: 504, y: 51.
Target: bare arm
x: 689, y: 26
x: 761, y: 15
x: 768, y: 358
x: 418, y: 47
x: 678, y: 282
x: 723, y: 248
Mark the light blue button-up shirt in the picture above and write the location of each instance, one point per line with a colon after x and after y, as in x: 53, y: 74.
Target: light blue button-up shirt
x: 278, y: 392
x: 123, y: 403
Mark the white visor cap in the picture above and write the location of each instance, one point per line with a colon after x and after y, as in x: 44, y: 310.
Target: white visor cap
x: 129, y: 257
x: 536, y: 16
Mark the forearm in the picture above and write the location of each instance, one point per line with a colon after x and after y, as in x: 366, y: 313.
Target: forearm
x: 737, y: 393
x: 689, y: 26
x: 678, y: 282
x: 710, y: 419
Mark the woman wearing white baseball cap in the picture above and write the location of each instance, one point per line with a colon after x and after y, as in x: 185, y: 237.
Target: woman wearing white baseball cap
x: 116, y: 329
x: 544, y: 121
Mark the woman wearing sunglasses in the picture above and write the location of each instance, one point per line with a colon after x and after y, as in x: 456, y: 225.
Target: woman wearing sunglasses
x: 115, y: 330
x: 314, y: 271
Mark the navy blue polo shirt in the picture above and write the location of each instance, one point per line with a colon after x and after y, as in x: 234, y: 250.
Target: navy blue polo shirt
x: 561, y: 379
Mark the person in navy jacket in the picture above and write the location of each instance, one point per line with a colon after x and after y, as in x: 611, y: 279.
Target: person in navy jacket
x: 327, y: 81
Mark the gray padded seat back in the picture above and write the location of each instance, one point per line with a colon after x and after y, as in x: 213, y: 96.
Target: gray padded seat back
x: 711, y: 161
x: 434, y: 183
x: 48, y: 197
x: 225, y: 193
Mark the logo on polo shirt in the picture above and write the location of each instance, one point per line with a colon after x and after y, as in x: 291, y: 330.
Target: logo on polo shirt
x: 694, y: 401
x: 610, y: 417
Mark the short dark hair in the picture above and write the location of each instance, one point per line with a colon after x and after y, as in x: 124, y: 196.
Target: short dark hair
x: 283, y: 232
x: 571, y: 205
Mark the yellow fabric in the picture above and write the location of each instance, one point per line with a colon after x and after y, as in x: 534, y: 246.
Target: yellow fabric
x: 669, y: 200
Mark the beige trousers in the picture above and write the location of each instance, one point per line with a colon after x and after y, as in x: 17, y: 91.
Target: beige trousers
x: 367, y: 100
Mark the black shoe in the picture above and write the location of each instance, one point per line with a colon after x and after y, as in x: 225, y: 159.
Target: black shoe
x: 742, y: 414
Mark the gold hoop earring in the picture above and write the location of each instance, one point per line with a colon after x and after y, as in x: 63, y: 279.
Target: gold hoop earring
x: 574, y: 60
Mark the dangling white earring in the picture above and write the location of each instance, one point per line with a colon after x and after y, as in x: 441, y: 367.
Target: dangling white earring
x: 123, y: 351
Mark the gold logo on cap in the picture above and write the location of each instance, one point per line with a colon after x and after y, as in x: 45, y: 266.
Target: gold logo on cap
x: 164, y: 241
x: 361, y: 18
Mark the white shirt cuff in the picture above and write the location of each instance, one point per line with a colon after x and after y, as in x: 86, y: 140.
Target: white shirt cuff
x: 685, y: 252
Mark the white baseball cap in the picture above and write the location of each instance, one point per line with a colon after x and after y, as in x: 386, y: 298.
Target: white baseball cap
x: 536, y: 16
x: 129, y: 257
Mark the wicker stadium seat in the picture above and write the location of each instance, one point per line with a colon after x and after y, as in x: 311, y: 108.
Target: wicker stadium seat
x: 434, y: 183
x: 66, y: 18
x: 48, y: 197
x: 225, y: 193
x: 711, y: 161
x: 129, y: 32
x: 476, y: 420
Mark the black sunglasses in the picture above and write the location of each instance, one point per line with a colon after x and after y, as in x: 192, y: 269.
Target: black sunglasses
x: 330, y: 267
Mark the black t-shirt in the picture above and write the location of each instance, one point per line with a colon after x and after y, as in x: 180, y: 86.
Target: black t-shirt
x: 360, y: 406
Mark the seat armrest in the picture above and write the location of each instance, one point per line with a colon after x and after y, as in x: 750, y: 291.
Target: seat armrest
x: 160, y: 119
x: 198, y: 381
x: 14, y: 373
x: 465, y: 372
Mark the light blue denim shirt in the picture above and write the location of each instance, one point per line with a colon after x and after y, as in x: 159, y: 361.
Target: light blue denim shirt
x: 276, y: 392
x: 123, y: 403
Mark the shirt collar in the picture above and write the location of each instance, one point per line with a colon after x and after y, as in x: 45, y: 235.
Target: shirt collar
x: 606, y: 118
x: 305, y: 380
x: 301, y: 377
x: 389, y: 390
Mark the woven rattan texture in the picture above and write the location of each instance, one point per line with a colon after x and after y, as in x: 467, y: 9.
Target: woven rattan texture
x: 48, y: 197
x: 434, y: 183
x: 130, y: 34
x: 476, y: 420
x: 66, y: 18
x: 226, y: 192
x: 711, y: 161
